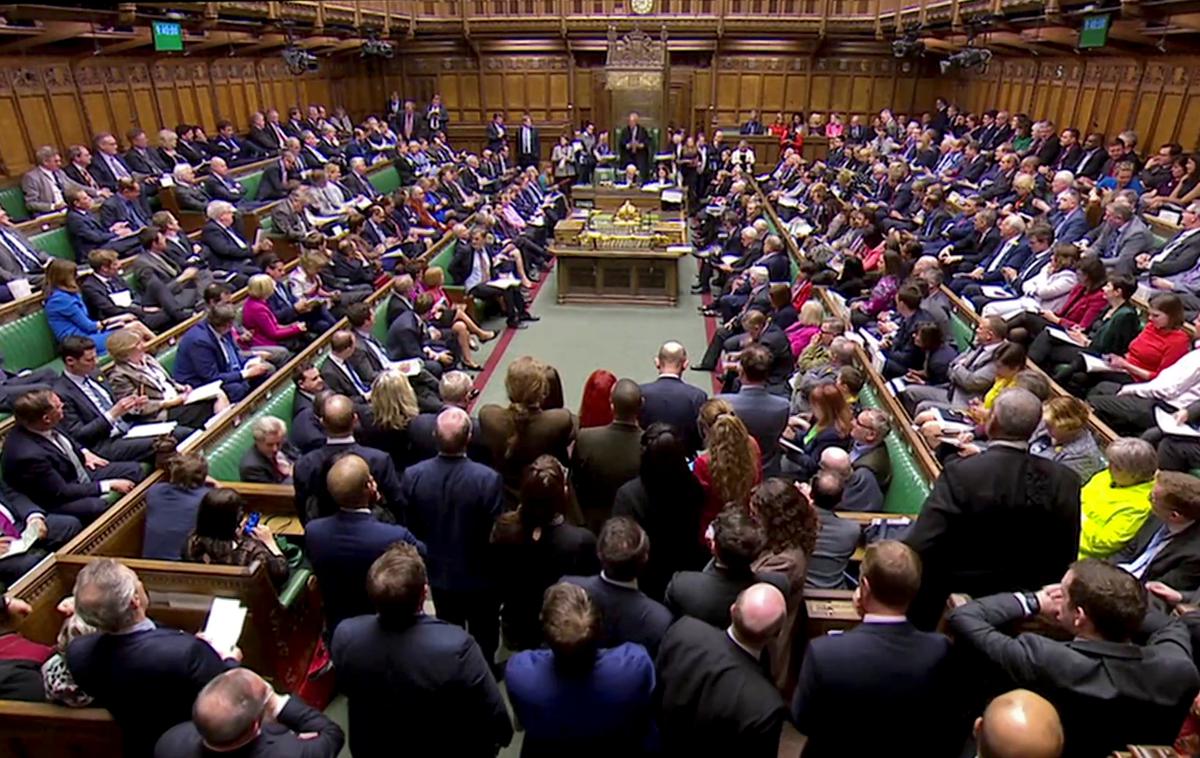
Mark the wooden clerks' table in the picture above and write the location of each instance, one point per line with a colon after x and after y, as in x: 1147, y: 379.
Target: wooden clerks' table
x: 607, y: 197
x: 632, y: 260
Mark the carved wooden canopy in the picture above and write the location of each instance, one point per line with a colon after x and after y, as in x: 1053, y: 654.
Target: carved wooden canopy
x: 635, y: 60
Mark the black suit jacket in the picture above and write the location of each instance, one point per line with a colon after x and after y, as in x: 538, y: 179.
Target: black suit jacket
x: 148, y: 680
x: 96, y: 295
x: 274, y: 182
x: 82, y: 420
x: 626, y: 614
x: 900, y: 675
x: 430, y: 671
x: 35, y: 467
x: 675, y: 402
x: 147, y: 162
x: 980, y: 509
x: 337, y: 380
x: 278, y: 739
x: 312, y: 495
x: 306, y: 433
x: 708, y: 594
x: 228, y: 189
x: 87, y: 233
x: 256, y: 467
x: 1176, y: 565
x: 1108, y: 694
x: 225, y: 253
x: 716, y: 698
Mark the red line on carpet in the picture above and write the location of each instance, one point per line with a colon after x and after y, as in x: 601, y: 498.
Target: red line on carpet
x: 505, y: 338
x: 710, y: 331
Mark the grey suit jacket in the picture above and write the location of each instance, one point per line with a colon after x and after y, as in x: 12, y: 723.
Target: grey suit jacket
x: 1132, y: 240
x: 39, y: 190
x: 972, y: 374
x: 1183, y: 258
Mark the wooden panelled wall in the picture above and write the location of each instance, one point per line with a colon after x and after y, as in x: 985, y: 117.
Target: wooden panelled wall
x: 50, y: 101
x: 1159, y: 98
x: 473, y: 90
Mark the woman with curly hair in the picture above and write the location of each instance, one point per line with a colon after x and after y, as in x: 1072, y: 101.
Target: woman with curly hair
x: 518, y: 433
x: 393, y: 406
x: 731, y: 463
x: 791, y: 526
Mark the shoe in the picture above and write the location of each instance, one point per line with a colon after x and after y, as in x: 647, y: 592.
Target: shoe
x: 530, y: 317
x: 472, y: 366
x: 697, y: 290
x: 517, y: 325
x: 491, y: 335
x: 473, y: 342
x: 535, y: 276
x: 705, y: 369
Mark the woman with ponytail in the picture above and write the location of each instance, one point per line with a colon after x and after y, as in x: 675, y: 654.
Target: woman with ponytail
x: 525, y: 429
x: 731, y: 463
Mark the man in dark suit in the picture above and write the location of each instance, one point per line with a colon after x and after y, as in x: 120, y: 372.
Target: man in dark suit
x: 1092, y: 160
x: 207, y: 353
x: 497, y: 133
x: 1167, y: 547
x: 234, y: 150
x: 671, y: 400
x: 1180, y: 253
x: 869, y: 452
x: 408, y: 123
x: 90, y: 415
x: 985, y: 506
x: 164, y: 284
x: 220, y: 184
x: 765, y: 415
x: 107, y: 166
x: 1109, y: 691
x: 707, y: 595
x: 53, y: 470
x: 281, y: 177
x: 226, y: 249
x: 147, y: 676
x: 883, y: 666
x: 343, y: 546
x: 401, y: 663
x: 271, y: 459
x: 634, y: 146
x: 313, y: 497
x: 14, y: 384
x: 308, y: 428
x: 19, y: 259
x: 17, y: 514
x: 87, y: 233
x: 142, y: 158
x: 268, y: 137
x: 716, y: 698
x: 608, y: 456
x: 357, y: 182
x: 107, y: 296
x: 626, y: 613
x: 451, y: 503
x: 238, y: 712
x: 339, y: 372
x: 528, y: 143
x: 1012, y: 252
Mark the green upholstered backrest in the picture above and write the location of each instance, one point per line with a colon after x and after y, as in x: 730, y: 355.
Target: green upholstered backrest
x: 12, y: 199
x: 386, y: 180
x: 27, y: 342
x: 908, y: 489
x: 381, y: 324
x: 266, y: 224
x: 225, y: 458
x: 55, y: 243
x: 167, y: 358
x: 962, y: 332
x: 250, y: 184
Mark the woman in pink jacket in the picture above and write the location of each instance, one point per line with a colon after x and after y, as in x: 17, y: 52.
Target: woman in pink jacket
x: 258, y: 318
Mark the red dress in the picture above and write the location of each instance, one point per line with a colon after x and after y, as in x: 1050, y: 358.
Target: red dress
x: 712, y: 503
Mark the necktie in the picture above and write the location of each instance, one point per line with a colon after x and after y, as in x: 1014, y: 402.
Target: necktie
x: 1171, y: 246
x: 87, y: 176
x: 380, y: 353
x: 354, y: 377
x: 135, y: 214
x: 7, y: 527
x: 240, y: 242
x: 231, y: 357
x: 101, y: 399
x: 279, y: 135
x: 118, y: 168
x: 28, y: 261
x: 65, y: 447
x: 1000, y: 254
x: 1139, y: 565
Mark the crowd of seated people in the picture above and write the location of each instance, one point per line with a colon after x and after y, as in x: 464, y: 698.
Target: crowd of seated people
x: 650, y: 569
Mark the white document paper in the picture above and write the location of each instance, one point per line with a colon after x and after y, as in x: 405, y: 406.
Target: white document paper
x: 789, y: 445
x: 762, y: 177
x: 204, y: 392
x: 1061, y: 335
x: 681, y: 249
x: 787, y: 202
x: 729, y: 260
x: 1168, y: 217
x: 505, y: 282
x: 166, y: 180
x: 1168, y: 424
x: 122, y: 299
x: 190, y: 442
x: 20, y: 288
x: 897, y: 385
x: 224, y: 626
x: 410, y: 367
x: 259, y: 235
x: 996, y: 293
x: 672, y: 196
x: 151, y: 430
x: 1093, y: 364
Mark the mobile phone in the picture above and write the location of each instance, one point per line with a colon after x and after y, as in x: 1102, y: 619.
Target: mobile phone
x: 251, y: 522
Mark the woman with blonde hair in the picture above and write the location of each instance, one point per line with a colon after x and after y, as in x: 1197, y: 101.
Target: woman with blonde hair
x: 807, y: 326
x: 393, y: 407
x: 1064, y: 437
x: 135, y: 372
x: 68, y: 316
x: 258, y: 318
x: 731, y: 463
x: 517, y: 434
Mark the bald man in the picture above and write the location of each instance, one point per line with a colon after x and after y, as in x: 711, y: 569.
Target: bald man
x: 860, y: 488
x: 451, y: 502
x: 343, y: 546
x: 716, y: 698
x: 669, y: 398
x: 606, y: 457
x: 238, y: 711
x: 1019, y: 724
x: 339, y: 417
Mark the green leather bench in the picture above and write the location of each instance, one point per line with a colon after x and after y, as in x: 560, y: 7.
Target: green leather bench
x: 224, y: 460
x: 381, y: 325
x: 250, y: 183
x: 55, y: 243
x: 12, y: 199
x: 386, y: 180
x: 962, y: 332
x: 908, y: 489
x: 28, y: 343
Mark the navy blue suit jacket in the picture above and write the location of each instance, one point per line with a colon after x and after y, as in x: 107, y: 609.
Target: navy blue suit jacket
x: 1016, y: 257
x: 282, y: 305
x: 451, y: 504
x: 342, y: 548
x: 626, y: 614
x: 894, y: 671
x: 675, y: 402
x: 34, y: 466
x: 82, y: 420
x: 224, y: 253
x: 201, y: 360
x: 104, y: 176
x: 86, y: 233
x: 430, y: 671
x: 1070, y: 228
x: 765, y: 416
x: 148, y: 680
x: 312, y: 497
x: 307, y: 433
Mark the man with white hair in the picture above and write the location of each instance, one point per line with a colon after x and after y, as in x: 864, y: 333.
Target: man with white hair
x: 239, y: 711
x: 189, y: 193
x: 757, y: 298
x: 716, y: 698
x: 356, y: 180
x: 220, y: 184
x: 1012, y: 252
x: 272, y: 458
x: 145, y: 675
x: 228, y: 250
x: 1175, y: 267
x: 1068, y: 219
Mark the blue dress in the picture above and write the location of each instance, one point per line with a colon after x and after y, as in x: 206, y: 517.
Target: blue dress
x: 68, y: 317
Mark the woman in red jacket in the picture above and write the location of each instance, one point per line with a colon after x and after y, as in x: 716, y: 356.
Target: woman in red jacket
x: 1162, y: 342
x: 260, y: 320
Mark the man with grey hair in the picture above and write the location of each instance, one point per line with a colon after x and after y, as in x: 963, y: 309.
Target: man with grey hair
x: 1122, y: 237
x: 752, y: 294
x: 451, y: 502
x: 189, y: 194
x: 228, y: 250
x: 271, y: 459
x: 239, y: 711
x: 986, y: 508
x: 220, y: 184
x: 1175, y: 268
x: 145, y: 675
x: 45, y: 186
x: 356, y: 180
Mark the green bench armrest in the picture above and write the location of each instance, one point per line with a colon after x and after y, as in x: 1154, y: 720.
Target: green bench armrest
x: 294, y: 587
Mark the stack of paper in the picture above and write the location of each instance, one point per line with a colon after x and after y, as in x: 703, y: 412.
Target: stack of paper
x: 224, y: 627
x: 1168, y: 424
